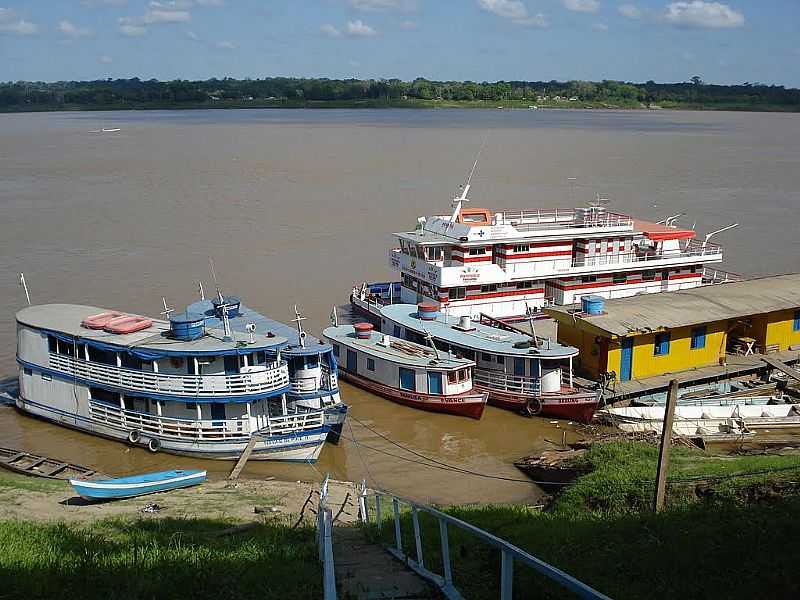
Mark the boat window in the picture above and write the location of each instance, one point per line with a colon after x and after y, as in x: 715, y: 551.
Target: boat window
x: 191, y: 366
x: 131, y: 362
x: 434, y: 253
x: 370, y: 364
x: 463, y: 375
x: 620, y: 278
x: 648, y: 276
x: 488, y: 288
x: 191, y: 406
x: 477, y: 251
x: 452, y: 377
x: 486, y: 357
x: 102, y: 356
x: 588, y: 278
x: 408, y: 379
x: 398, y: 333
x: 52, y: 343
x: 27, y: 371
x: 104, y: 396
x: 521, y: 248
x: 336, y: 349
x: 403, y: 247
x: 524, y: 285
x: 312, y: 361
x: 457, y: 293
x: 414, y: 251
x: 501, y: 360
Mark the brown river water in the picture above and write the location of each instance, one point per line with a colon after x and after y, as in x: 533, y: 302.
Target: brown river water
x: 296, y: 206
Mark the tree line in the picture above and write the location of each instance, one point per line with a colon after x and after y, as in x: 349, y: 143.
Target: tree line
x: 135, y: 92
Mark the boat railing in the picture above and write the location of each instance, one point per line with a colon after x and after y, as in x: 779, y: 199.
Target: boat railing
x: 499, y: 381
x: 561, y: 218
x: 328, y: 379
x: 168, y: 427
x: 294, y: 422
x: 714, y: 276
x: 647, y: 255
x: 325, y: 381
x: 274, y: 377
x: 509, y: 553
x: 325, y: 542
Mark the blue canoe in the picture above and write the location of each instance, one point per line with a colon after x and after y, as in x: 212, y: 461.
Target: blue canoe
x: 137, y: 485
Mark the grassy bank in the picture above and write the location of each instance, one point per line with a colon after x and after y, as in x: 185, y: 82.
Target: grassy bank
x: 157, y: 558
x: 726, y: 538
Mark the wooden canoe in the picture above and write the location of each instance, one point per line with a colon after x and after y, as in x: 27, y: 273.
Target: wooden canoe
x: 28, y: 463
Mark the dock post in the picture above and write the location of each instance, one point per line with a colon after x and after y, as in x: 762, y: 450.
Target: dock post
x: 663, y: 453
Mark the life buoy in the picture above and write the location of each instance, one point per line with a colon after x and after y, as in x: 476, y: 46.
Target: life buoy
x: 134, y: 436
x: 154, y: 444
x: 533, y: 407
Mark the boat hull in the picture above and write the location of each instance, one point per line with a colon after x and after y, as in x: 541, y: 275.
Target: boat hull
x: 465, y: 405
x: 573, y: 406
x: 302, y: 446
x: 126, y: 488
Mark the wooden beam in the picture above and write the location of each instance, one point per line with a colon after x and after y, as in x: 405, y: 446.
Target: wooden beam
x: 245, y: 455
x: 663, y: 452
x: 782, y: 366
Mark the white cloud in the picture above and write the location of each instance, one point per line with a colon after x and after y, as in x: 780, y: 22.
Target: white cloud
x: 10, y: 23
x: 210, y: 2
x: 71, y: 30
x: 330, y: 30
x: 514, y: 10
x: 157, y: 15
x: 384, y: 5
x: 705, y: 15
x: 599, y: 27
x: 105, y: 59
x: 226, y: 45
x: 630, y: 11
x: 408, y: 25
x: 130, y: 27
x: 587, y: 6
x: 96, y: 3
x: 192, y: 35
x: 358, y: 28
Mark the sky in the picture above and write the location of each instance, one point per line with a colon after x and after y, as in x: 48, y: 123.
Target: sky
x: 478, y: 40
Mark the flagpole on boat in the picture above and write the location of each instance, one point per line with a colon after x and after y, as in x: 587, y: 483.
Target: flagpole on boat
x: 25, y: 287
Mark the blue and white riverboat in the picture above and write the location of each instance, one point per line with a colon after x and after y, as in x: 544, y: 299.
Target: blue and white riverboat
x: 313, y: 383
x: 180, y: 385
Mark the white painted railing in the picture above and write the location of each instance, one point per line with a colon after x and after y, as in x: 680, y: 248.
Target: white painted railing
x: 169, y: 427
x: 560, y: 218
x: 325, y: 381
x: 325, y: 542
x: 509, y: 554
x: 714, y: 276
x: 625, y: 258
x: 291, y: 423
x: 503, y: 382
x: 274, y: 377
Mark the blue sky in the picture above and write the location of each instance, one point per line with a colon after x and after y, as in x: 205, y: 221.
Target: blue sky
x: 637, y: 40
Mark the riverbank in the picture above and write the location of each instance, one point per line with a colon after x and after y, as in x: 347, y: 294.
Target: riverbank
x: 723, y: 534
x: 411, y: 103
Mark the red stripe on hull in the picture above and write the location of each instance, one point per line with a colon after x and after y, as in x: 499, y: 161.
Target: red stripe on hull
x: 575, y: 406
x: 466, y: 405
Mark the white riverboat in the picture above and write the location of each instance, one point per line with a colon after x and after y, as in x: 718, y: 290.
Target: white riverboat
x: 503, y: 263
x: 181, y: 386
x: 404, y: 372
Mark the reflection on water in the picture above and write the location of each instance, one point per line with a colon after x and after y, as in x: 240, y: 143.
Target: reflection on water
x: 296, y: 206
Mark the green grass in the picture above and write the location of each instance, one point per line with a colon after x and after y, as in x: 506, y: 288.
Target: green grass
x: 10, y: 481
x: 730, y: 544
x: 157, y: 558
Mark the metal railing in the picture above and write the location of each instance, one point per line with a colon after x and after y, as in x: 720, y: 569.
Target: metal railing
x: 559, y: 218
x: 169, y: 427
x: 714, y: 276
x: 326, y: 381
x: 508, y: 552
x: 496, y: 380
x: 325, y: 542
x: 283, y: 424
x: 646, y: 256
x: 274, y: 377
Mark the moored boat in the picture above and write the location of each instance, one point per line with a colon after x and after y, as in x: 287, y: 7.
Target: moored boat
x: 405, y: 372
x: 137, y: 485
x: 520, y: 372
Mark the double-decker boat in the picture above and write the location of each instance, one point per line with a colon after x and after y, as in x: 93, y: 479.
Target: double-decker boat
x: 520, y: 372
x: 313, y: 380
x: 404, y: 372
x: 182, y: 385
x: 503, y: 263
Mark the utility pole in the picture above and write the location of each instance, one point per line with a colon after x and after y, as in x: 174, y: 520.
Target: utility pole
x: 663, y: 453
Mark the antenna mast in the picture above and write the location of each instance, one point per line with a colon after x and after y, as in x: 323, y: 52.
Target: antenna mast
x: 458, y: 201
x: 25, y: 287
x: 300, y: 333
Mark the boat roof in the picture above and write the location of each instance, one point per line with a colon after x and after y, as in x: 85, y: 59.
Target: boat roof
x: 481, y: 338
x: 66, y: 319
x: 263, y: 324
x: 387, y: 347
x: 705, y: 304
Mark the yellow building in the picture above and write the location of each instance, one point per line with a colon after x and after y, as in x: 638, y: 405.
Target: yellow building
x: 669, y: 332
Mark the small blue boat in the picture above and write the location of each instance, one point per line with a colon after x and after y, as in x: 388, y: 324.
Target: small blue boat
x: 137, y: 485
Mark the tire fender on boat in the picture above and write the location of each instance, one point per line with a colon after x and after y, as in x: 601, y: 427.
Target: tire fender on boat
x: 154, y: 444
x: 134, y: 436
x: 533, y: 407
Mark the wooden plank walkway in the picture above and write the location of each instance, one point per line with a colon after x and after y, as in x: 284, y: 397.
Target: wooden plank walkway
x: 781, y: 366
x: 243, y: 458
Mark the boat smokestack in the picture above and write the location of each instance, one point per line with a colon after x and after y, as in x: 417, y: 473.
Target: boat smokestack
x: 363, y: 330
x: 427, y: 311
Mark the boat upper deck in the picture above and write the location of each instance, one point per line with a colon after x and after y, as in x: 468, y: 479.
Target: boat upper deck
x: 393, y: 349
x: 67, y: 318
x: 263, y: 324
x: 478, y: 337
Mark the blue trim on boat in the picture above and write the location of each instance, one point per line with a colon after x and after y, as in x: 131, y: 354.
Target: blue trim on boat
x: 138, y: 485
x: 155, y: 396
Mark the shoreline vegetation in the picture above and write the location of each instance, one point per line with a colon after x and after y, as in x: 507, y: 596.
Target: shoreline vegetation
x: 729, y: 530
x: 137, y: 94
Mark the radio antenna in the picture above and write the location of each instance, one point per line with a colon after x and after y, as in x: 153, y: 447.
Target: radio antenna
x: 457, y: 202
x: 214, y: 277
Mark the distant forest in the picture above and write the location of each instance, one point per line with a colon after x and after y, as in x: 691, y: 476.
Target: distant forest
x: 281, y: 91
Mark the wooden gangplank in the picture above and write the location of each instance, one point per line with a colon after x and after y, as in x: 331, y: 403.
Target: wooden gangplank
x: 243, y: 458
x: 782, y: 366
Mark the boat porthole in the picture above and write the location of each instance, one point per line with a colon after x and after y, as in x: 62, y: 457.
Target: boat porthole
x: 133, y: 436
x: 153, y: 445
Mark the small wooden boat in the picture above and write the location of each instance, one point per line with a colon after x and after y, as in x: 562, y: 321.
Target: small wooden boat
x: 404, y: 372
x: 28, y: 463
x: 137, y: 485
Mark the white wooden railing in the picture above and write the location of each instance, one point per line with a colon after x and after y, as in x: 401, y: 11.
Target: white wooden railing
x: 274, y: 377
x: 503, y: 382
x: 648, y: 256
x: 292, y: 423
x: 325, y: 381
x: 169, y: 427
x: 325, y: 542
x: 560, y: 218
